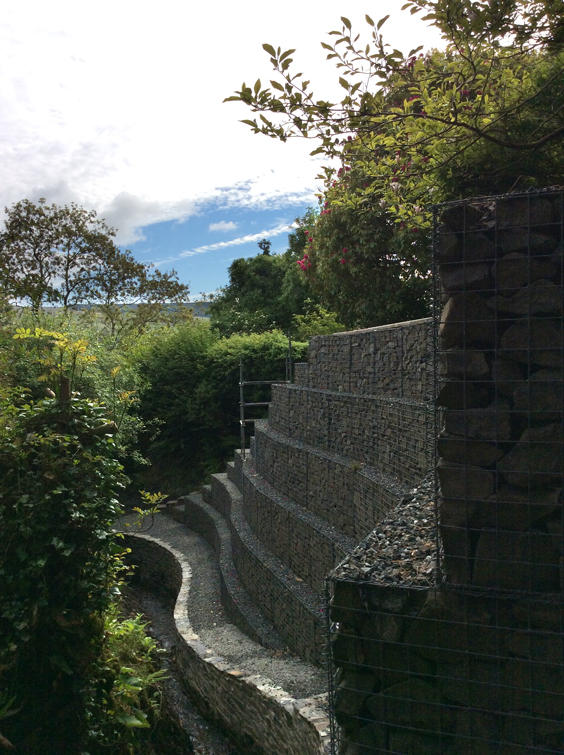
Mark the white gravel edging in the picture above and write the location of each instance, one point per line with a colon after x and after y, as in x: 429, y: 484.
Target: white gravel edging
x: 260, y: 716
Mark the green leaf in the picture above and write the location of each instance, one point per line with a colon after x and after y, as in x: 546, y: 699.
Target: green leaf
x: 138, y: 721
x: 344, y: 83
x: 369, y: 20
x: 257, y: 86
x: 286, y: 54
x: 269, y: 49
x: 346, y: 22
x: 276, y: 85
x: 382, y: 21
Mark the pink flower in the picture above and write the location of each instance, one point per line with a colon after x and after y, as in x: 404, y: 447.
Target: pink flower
x: 343, y: 262
x: 345, y: 250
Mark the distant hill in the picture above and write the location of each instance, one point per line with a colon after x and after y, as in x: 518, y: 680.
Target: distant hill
x: 200, y: 308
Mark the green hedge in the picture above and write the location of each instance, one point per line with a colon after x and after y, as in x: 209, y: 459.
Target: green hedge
x: 192, y: 386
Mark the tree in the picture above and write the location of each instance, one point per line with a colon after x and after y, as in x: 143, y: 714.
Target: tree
x: 58, y: 561
x: 415, y: 124
x: 130, y: 295
x: 47, y: 253
x: 364, y: 268
x: 67, y: 256
x: 483, y: 116
x: 264, y: 245
x: 266, y: 291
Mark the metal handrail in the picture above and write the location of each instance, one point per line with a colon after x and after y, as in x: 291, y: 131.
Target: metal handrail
x: 242, y: 383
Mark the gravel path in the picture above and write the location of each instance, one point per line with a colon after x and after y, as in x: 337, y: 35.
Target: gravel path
x: 209, y: 620
x: 403, y: 547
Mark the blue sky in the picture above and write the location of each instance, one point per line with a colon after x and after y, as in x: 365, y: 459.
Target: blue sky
x: 202, y: 247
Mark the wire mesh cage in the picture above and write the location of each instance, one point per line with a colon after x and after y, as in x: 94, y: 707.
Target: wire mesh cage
x: 470, y: 661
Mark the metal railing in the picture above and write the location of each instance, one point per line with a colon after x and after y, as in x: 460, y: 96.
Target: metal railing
x: 243, y: 420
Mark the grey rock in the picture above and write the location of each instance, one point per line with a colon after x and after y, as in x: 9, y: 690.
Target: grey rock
x: 537, y: 459
x: 541, y: 297
x: 465, y: 320
x: 464, y: 481
x: 470, y: 276
x: 455, y: 363
x: 536, y: 341
x: 516, y: 269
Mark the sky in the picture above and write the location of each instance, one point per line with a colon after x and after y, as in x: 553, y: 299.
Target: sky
x: 118, y: 106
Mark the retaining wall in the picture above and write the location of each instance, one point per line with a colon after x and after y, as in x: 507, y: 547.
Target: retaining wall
x: 392, y: 435
x: 296, y: 610
x: 339, y: 450
x: 389, y: 360
x: 445, y: 671
x: 306, y: 543
x: 260, y: 718
x: 350, y: 495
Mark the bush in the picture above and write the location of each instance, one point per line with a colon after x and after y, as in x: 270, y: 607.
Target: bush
x: 192, y: 385
x: 58, y: 560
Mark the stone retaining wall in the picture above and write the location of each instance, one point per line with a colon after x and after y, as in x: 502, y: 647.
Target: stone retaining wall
x: 391, y: 435
x: 295, y: 609
x: 502, y: 362
x: 429, y: 672
x: 309, y: 546
x: 348, y: 494
x: 390, y: 360
x: 259, y: 717
x: 474, y: 666
x: 238, y: 604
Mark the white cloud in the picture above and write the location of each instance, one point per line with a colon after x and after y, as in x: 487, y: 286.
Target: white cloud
x: 282, y: 228
x: 224, y: 226
x: 118, y: 117
x: 128, y: 213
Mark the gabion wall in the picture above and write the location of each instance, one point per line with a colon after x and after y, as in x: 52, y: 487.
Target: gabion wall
x: 472, y: 663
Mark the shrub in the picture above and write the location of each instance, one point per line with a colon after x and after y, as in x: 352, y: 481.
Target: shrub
x: 192, y: 385
x: 58, y: 559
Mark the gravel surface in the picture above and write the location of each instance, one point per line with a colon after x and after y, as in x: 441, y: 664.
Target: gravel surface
x: 403, y: 547
x: 209, y: 620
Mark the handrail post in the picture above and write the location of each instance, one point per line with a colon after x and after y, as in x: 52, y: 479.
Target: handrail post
x: 241, y: 406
